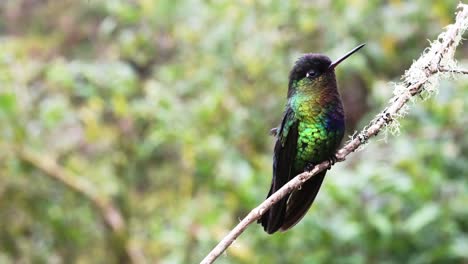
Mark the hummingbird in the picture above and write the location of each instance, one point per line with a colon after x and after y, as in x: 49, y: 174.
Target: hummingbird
x: 311, y: 131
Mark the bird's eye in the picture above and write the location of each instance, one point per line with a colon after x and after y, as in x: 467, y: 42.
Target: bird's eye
x: 311, y: 74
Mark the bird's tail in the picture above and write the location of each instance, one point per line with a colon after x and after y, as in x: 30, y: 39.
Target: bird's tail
x: 300, y: 201
x: 272, y: 219
x: 289, y: 211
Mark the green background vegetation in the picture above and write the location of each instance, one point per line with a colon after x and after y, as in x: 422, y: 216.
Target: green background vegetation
x: 164, y: 107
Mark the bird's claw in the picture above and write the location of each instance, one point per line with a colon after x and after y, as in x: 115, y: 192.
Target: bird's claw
x: 332, y: 160
x: 309, y: 166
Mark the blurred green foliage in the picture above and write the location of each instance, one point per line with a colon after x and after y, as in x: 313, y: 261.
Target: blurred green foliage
x: 165, y: 106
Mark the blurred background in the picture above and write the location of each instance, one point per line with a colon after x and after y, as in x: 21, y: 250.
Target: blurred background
x: 137, y: 131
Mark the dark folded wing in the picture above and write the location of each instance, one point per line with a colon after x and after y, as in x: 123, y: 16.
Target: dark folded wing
x: 283, y: 162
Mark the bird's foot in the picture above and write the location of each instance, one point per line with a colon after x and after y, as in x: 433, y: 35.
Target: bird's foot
x: 309, y: 166
x: 331, y: 161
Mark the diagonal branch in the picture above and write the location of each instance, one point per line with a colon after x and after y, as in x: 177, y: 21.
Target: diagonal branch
x: 110, y: 214
x: 458, y: 71
x: 423, y: 76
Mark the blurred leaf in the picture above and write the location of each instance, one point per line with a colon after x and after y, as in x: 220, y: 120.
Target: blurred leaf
x: 7, y: 103
x: 421, y: 218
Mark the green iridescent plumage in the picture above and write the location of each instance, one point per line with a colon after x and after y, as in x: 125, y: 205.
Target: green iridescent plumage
x: 321, y: 120
x: 311, y: 131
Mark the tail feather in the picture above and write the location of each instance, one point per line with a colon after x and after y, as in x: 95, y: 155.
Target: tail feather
x: 274, y: 218
x: 300, y: 201
x: 290, y: 210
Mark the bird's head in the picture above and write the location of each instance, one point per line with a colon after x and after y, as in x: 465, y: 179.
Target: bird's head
x: 313, y: 71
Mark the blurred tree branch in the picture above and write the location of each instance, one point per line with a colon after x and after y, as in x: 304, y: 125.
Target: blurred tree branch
x: 423, y: 76
x: 110, y: 214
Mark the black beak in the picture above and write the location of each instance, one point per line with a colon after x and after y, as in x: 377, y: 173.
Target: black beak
x: 344, y: 57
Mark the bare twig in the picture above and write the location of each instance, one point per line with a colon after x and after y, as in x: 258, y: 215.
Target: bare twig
x: 110, y: 214
x: 458, y: 71
x: 422, y: 76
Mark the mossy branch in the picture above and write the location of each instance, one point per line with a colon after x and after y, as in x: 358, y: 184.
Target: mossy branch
x: 436, y: 62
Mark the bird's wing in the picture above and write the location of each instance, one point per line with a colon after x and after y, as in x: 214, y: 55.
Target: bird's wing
x: 283, y: 162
